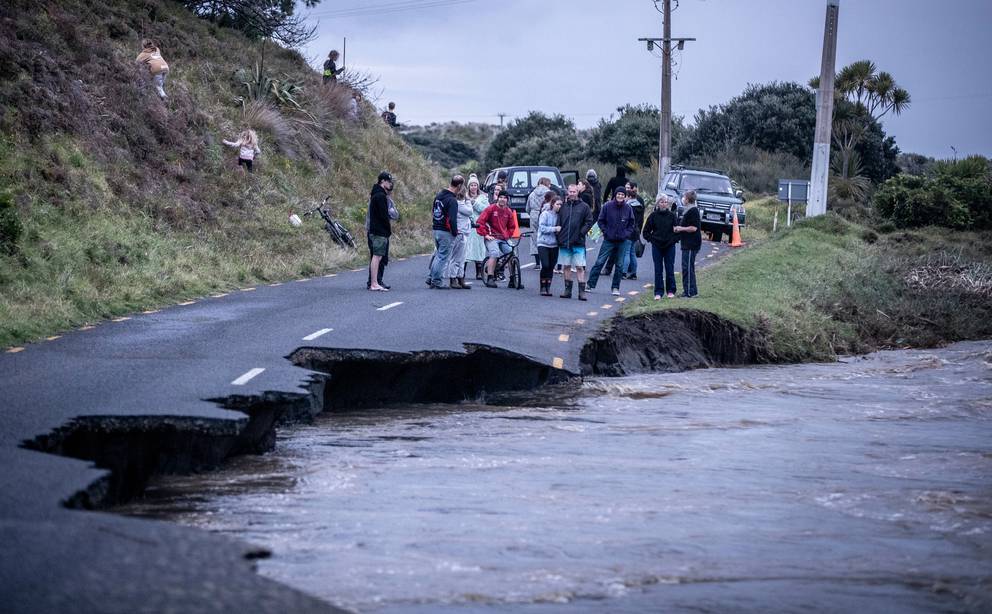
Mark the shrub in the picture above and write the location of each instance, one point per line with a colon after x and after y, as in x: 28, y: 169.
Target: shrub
x: 958, y: 195
x: 10, y: 225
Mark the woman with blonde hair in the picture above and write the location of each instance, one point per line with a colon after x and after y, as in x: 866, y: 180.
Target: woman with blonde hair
x: 247, y: 144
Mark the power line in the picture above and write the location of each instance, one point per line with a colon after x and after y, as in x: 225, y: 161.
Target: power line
x: 388, y: 8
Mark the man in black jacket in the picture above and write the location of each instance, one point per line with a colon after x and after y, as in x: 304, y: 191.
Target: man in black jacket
x: 445, y: 225
x: 575, y: 219
x: 620, y: 181
x: 379, y: 231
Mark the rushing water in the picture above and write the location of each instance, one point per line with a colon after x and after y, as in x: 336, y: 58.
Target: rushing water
x: 859, y: 486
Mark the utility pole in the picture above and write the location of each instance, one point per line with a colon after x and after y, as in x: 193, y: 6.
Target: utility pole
x: 665, y: 126
x: 824, y: 115
x: 665, y: 123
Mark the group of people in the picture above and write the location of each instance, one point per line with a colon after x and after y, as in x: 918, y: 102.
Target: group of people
x: 470, y: 225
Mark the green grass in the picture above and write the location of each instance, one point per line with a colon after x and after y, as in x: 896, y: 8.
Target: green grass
x: 827, y: 287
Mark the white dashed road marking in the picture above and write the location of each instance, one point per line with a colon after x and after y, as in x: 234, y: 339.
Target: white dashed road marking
x: 527, y: 266
x: 390, y: 306
x: 247, y: 377
x: 319, y: 333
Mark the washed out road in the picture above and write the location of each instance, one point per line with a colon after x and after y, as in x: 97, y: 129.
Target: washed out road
x: 168, y: 363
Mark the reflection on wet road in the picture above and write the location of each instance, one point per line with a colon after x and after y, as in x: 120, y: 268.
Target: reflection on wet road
x: 862, y: 486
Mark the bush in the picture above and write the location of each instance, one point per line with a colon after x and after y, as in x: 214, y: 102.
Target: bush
x: 632, y: 136
x: 754, y: 169
x: 958, y: 195
x: 10, y: 225
x: 537, y: 126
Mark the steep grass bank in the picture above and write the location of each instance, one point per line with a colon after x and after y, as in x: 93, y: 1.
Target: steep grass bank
x: 126, y: 202
x: 827, y: 287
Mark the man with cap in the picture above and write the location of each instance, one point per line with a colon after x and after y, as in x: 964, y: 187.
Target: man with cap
x: 379, y: 229
x: 616, y: 220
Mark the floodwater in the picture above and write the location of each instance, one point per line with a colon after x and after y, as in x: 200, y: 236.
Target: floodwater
x: 859, y: 486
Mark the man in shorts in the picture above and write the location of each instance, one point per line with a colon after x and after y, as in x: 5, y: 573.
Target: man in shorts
x: 496, y: 224
x: 575, y: 219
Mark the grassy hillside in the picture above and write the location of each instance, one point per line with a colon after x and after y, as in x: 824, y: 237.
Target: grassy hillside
x: 125, y: 202
x: 827, y: 286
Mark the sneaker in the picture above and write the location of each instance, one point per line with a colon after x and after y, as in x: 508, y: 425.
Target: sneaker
x: 671, y: 295
x: 615, y: 292
x: 657, y: 297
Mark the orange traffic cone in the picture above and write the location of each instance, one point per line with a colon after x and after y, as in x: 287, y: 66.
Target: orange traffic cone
x: 516, y: 226
x: 735, y: 237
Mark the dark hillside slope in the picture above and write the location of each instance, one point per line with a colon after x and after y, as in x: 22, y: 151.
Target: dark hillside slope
x: 112, y: 200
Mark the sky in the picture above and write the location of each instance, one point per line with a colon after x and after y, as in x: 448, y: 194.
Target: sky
x: 469, y: 60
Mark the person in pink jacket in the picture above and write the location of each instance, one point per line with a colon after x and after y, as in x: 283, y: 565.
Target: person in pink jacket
x: 151, y: 57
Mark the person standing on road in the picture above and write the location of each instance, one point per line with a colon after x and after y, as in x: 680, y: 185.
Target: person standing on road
x: 394, y: 215
x: 496, y: 225
x: 692, y: 242
x: 619, y: 181
x: 637, y: 204
x: 574, y: 221
x: 151, y: 57
x: 616, y: 220
x: 659, y: 231
x: 547, y: 241
x: 456, y: 263
x: 475, y: 247
x: 597, y: 192
x: 535, y: 204
x: 445, y: 226
x: 379, y: 231
x: 331, y: 70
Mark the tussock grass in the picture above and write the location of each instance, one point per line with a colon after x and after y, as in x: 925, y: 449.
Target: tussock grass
x: 828, y: 286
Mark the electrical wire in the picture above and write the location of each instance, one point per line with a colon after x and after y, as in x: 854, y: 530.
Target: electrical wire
x: 387, y: 8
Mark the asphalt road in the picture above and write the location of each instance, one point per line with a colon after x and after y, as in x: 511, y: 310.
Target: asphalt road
x: 168, y: 362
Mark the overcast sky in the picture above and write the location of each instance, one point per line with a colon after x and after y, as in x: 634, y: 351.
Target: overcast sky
x: 468, y: 60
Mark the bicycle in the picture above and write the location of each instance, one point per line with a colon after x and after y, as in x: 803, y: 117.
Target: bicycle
x: 511, y: 262
x: 339, y: 234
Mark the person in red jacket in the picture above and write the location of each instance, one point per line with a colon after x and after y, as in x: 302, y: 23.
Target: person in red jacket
x: 496, y: 224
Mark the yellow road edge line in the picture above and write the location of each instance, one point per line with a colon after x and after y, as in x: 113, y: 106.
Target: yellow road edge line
x: 580, y: 321
x: 187, y: 303
x: 563, y: 338
x: 606, y: 307
x: 592, y: 314
x: 558, y: 363
x: 87, y: 327
x: 14, y: 350
x: 122, y: 319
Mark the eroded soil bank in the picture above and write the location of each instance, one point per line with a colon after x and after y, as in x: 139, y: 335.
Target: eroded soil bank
x: 671, y: 341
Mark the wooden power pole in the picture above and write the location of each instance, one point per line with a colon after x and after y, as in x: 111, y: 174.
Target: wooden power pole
x: 824, y: 115
x: 665, y: 123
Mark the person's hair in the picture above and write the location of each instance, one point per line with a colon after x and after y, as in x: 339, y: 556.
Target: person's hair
x: 633, y: 184
x: 500, y: 175
x: 333, y: 54
x: 457, y: 181
x: 392, y: 105
x: 690, y: 197
x: 585, y: 183
x: 550, y: 202
x: 503, y: 195
x: 544, y: 181
x: 147, y: 43
x: 248, y: 138
x: 549, y: 195
x: 661, y: 197
x: 463, y: 193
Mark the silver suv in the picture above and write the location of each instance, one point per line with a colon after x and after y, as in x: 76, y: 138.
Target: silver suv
x: 716, y: 196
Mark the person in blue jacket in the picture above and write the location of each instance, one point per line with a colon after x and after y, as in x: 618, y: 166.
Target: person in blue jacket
x: 616, y: 220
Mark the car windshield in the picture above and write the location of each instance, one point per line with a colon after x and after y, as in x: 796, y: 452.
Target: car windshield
x: 528, y: 179
x: 706, y: 183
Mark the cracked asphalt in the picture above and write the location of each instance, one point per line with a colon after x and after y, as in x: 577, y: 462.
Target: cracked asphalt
x: 168, y: 362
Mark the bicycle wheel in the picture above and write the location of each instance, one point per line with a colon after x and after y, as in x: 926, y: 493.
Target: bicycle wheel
x: 513, y: 273
x: 349, y: 241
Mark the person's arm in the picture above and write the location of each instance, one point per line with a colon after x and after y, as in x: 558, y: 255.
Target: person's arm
x: 601, y: 222
x: 232, y: 143
x: 483, y: 222
x: 453, y: 215
x: 586, y: 223
x: 648, y: 228
x: 543, y: 225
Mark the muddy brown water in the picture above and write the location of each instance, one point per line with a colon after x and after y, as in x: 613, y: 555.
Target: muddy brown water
x: 859, y: 486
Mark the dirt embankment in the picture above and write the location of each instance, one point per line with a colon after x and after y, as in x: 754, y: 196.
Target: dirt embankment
x: 671, y: 341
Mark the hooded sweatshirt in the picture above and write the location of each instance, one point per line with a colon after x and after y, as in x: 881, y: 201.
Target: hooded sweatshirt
x: 445, y: 212
x: 616, y: 220
x: 379, y: 223
x: 152, y: 57
x: 500, y: 222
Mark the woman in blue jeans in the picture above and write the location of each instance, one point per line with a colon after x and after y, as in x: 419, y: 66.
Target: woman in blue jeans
x: 659, y: 231
x: 692, y: 241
